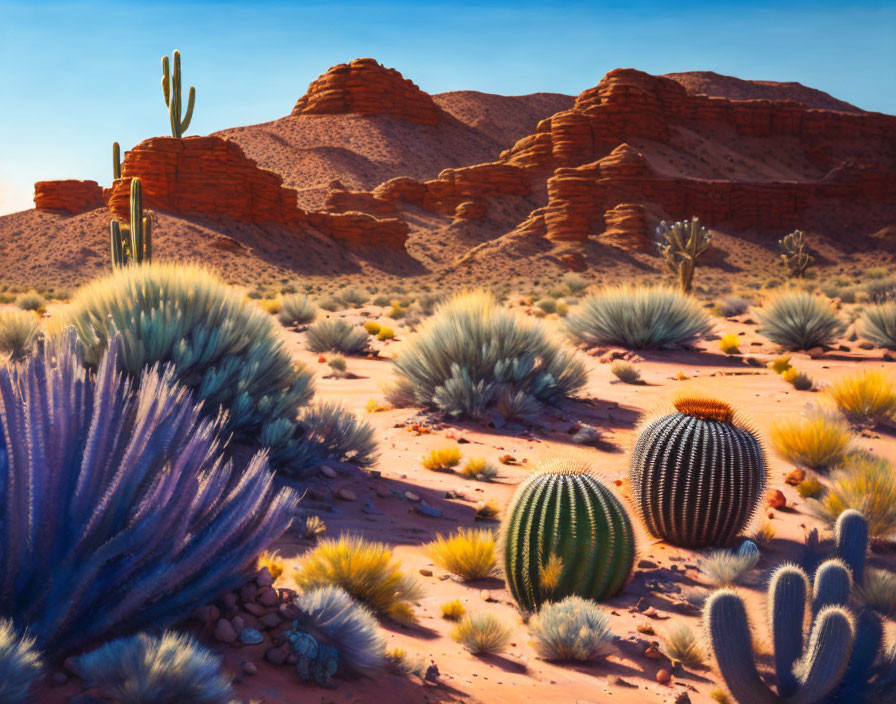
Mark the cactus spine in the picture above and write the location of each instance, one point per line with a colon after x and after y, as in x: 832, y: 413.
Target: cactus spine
x: 795, y: 253
x: 565, y: 534
x: 133, y: 244
x: 805, y: 675
x: 172, y: 91
x: 697, y: 475
x: 680, y: 244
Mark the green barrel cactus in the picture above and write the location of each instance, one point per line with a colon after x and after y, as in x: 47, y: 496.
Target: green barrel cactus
x: 565, y: 534
x: 697, y: 475
x: 805, y: 673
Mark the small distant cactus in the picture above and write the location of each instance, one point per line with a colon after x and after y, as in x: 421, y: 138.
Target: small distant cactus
x: 804, y: 673
x: 795, y: 253
x: 132, y: 243
x: 559, y: 515
x: 680, y: 245
x: 697, y: 475
x: 116, y: 161
x: 171, y: 89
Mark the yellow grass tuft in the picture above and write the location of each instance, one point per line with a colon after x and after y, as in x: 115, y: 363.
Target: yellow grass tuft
x: 271, y: 305
x: 374, y: 406
x: 809, y: 487
x: 867, y: 484
x: 482, y: 633
x: 442, y: 460
x: 729, y: 343
x: 704, y: 407
x: 799, y: 380
x: 453, y: 610
x: 878, y: 591
x: 818, y: 441
x: 479, y: 468
x: 488, y: 510
x: 867, y: 397
x: 469, y: 553
x: 550, y: 573
x: 764, y: 533
x: 365, y: 570
x: 272, y: 561
x: 780, y: 365
x: 385, y: 334
x: 372, y: 327
x: 680, y: 644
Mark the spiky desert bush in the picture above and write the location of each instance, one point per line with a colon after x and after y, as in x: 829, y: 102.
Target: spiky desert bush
x: 365, y: 570
x: 638, y: 317
x: 338, y: 433
x: 336, y: 335
x: 877, y: 591
x: 297, y: 309
x: 479, y: 468
x: 469, y: 553
x: 18, y: 331
x: 147, y: 669
x: 331, y: 304
x: 878, y: 325
x: 482, y: 633
x: 626, y: 372
x: 681, y: 644
x: 473, y: 357
x: 443, y: 460
x: 866, y: 397
x: 31, y: 301
x: 722, y: 568
x: 576, y: 283
x: 332, y: 617
x: 120, y: 511
x: 798, y: 380
x: 571, y: 629
x: 866, y: 484
x: 697, y: 473
x: 818, y: 440
x: 453, y: 610
x: 355, y: 297
x: 731, y: 306
x: 798, y: 320
x: 20, y: 665
x: 229, y: 352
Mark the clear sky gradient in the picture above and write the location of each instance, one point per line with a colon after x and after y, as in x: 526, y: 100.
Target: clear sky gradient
x: 79, y: 75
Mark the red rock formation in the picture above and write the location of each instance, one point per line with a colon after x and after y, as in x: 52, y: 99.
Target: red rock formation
x: 361, y: 229
x: 365, y: 86
x: 71, y: 196
x: 207, y: 176
x: 342, y: 201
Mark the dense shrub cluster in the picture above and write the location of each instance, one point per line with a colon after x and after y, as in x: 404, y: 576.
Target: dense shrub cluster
x: 797, y: 320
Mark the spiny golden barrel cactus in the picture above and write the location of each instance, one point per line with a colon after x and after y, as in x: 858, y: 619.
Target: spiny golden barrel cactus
x: 565, y: 534
x: 697, y: 474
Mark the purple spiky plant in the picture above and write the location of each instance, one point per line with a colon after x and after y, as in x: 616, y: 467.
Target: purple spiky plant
x: 118, y: 510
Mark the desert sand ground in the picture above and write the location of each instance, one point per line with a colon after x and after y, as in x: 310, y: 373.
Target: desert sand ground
x: 665, y: 584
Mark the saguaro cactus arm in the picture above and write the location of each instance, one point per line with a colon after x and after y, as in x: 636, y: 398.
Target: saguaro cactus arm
x: 171, y: 88
x: 851, y: 535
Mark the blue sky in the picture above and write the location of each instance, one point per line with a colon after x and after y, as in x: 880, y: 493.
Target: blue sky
x: 79, y: 75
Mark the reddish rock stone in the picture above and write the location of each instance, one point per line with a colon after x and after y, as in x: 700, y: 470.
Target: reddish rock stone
x: 367, y: 87
x: 69, y: 196
x: 795, y: 477
x: 775, y: 499
x: 225, y: 632
x: 361, y: 230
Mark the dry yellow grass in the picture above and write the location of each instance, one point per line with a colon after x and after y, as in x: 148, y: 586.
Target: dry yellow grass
x: 482, y: 633
x: 18, y: 331
x: 867, y: 484
x: 680, y: 644
x: 878, y: 591
x: 867, y: 397
x: 818, y: 441
x: 365, y: 570
x: 272, y: 561
x: 453, y: 610
x: 372, y: 327
x: 443, y: 460
x: 764, y: 533
x: 780, y: 365
x: 479, y: 468
x: 385, y: 334
x: 469, y: 553
x: 799, y: 380
x: 729, y: 343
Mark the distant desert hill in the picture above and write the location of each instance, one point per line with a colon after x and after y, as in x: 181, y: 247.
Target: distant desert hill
x: 371, y: 176
x: 715, y: 84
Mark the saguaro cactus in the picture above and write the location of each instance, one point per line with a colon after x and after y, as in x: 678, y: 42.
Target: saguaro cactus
x: 171, y: 89
x: 132, y: 243
x: 795, y: 253
x: 680, y: 244
x: 565, y: 533
x: 851, y: 536
x: 805, y: 675
x: 116, y: 161
x: 698, y: 474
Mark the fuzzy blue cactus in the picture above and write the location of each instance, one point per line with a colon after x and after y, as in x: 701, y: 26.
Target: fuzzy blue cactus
x: 851, y: 536
x: 316, y: 661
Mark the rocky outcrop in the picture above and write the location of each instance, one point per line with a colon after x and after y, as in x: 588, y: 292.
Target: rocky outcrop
x: 206, y: 176
x: 356, y: 229
x: 365, y: 86
x: 68, y: 196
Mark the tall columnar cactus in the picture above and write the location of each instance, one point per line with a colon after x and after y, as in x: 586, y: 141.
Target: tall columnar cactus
x: 795, y: 254
x: 805, y: 673
x: 133, y: 243
x: 172, y: 91
x: 851, y: 536
x: 697, y: 474
x: 116, y: 161
x: 680, y: 244
x: 565, y: 534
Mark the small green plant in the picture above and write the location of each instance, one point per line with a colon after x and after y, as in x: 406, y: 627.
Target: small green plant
x: 336, y: 335
x: 795, y: 254
x: 626, y: 372
x: 132, y: 243
x: 147, y: 668
x: 571, y: 629
x: 443, y: 460
x: 20, y: 665
x: 575, y: 283
x: 797, y: 320
x: 680, y: 644
x: 331, y: 304
x: 680, y: 244
x: 31, y: 301
x: 547, y: 305
x: 18, y: 331
x: 338, y: 365
x: 469, y: 553
x: 172, y: 91
x: 297, y: 310
x: 878, y: 325
x: 482, y: 633
x: 355, y: 297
